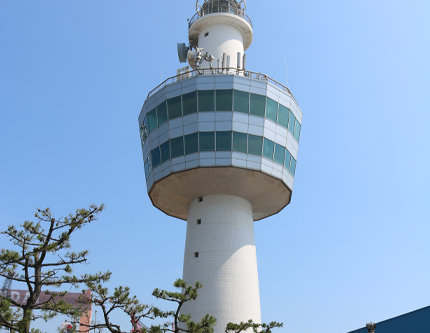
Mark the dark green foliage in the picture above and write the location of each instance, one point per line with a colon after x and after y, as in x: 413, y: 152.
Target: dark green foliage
x: 260, y: 328
x: 42, y: 261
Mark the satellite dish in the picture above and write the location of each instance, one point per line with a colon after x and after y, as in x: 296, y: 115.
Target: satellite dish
x: 182, y: 52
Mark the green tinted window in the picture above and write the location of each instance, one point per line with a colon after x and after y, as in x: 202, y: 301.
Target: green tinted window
x: 239, y: 142
x: 189, y: 103
x: 156, y: 158
x: 191, y: 143
x: 152, y: 120
x: 254, y: 144
x: 279, y: 154
x: 283, y: 115
x: 291, y: 122
x: 293, y: 166
x: 287, y: 160
x: 162, y: 113
x: 268, y: 146
x: 207, y: 141
x: 241, y: 101
x: 257, y: 103
x: 224, y: 100
x: 297, y: 128
x: 174, y: 105
x: 271, y: 109
x: 165, y: 151
x: 206, y: 100
x: 223, y: 141
x: 177, y: 146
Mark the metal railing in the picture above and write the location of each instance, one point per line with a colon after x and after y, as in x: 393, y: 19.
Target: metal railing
x: 222, y: 71
x: 220, y: 7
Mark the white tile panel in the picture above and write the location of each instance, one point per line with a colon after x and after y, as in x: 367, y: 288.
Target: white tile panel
x: 223, y: 161
x: 190, y: 88
x: 257, y: 91
x: 190, y: 118
x: 178, y: 160
x: 205, y: 86
x: 240, y: 127
x: 240, y: 117
x: 206, y: 116
x: 223, y: 85
x: 207, y: 154
x: 253, y: 158
x: 239, y: 163
x: 224, y: 116
x: 205, y: 79
x: 192, y: 128
x: 154, y: 143
x: 269, y: 134
x: 153, y: 135
x: 277, y: 174
x: 167, y: 171
x: 206, y: 126
x: 237, y: 155
x: 164, y: 137
x: 242, y: 80
x: 268, y: 124
x: 277, y: 167
x: 266, y: 169
x: 178, y: 167
x: 163, y: 128
x: 273, y: 91
x: 273, y: 96
x: 279, y: 139
x: 188, y: 82
x: 192, y: 157
x: 256, y: 120
x: 258, y: 84
x: 173, y: 87
x: 176, y: 132
x: 223, y: 126
x: 256, y: 130
x: 174, y: 93
x: 158, y: 176
x: 207, y: 162
x: 223, y: 154
x: 253, y: 165
x: 174, y: 123
x: 266, y: 162
x: 224, y: 78
x: 281, y: 131
x: 192, y: 164
x: 241, y: 87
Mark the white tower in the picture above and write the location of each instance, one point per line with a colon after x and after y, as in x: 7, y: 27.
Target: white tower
x: 220, y: 147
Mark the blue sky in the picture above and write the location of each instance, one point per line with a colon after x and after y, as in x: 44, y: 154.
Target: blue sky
x: 354, y: 244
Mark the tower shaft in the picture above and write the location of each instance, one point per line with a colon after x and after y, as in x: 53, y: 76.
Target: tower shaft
x: 220, y: 253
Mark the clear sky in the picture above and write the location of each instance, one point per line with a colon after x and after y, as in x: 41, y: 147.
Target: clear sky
x: 353, y: 246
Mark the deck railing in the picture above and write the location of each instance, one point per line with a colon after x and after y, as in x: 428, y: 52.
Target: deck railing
x: 222, y: 71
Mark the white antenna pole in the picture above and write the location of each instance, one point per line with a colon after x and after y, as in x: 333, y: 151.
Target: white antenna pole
x: 286, y: 71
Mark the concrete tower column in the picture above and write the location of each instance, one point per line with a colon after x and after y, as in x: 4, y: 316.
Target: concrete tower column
x: 220, y: 253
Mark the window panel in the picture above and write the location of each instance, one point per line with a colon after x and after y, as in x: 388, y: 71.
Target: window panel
x: 177, y: 146
x: 152, y: 120
x: 223, y: 141
x: 279, y: 154
x: 283, y: 115
x: 268, y: 146
x: 206, y: 100
x: 239, y: 142
x: 189, y: 103
x: 174, y: 106
x: 224, y: 100
x: 271, y: 109
x: 291, y: 122
x: 241, y: 101
x: 293, y: 166
x: 165, y: 151
x: 149, y: 163
x: 191, y: 143
x: 207, y: 141
x: 287, y: 160
x: 146, y: 170
x: 143, y: 132
x: 257, y: 104
x: 162, y: 113
x: 297, y: 128
x: 254, y: 144
x: 156, y: 158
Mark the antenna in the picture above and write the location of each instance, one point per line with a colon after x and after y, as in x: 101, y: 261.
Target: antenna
x: 286, y: 71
